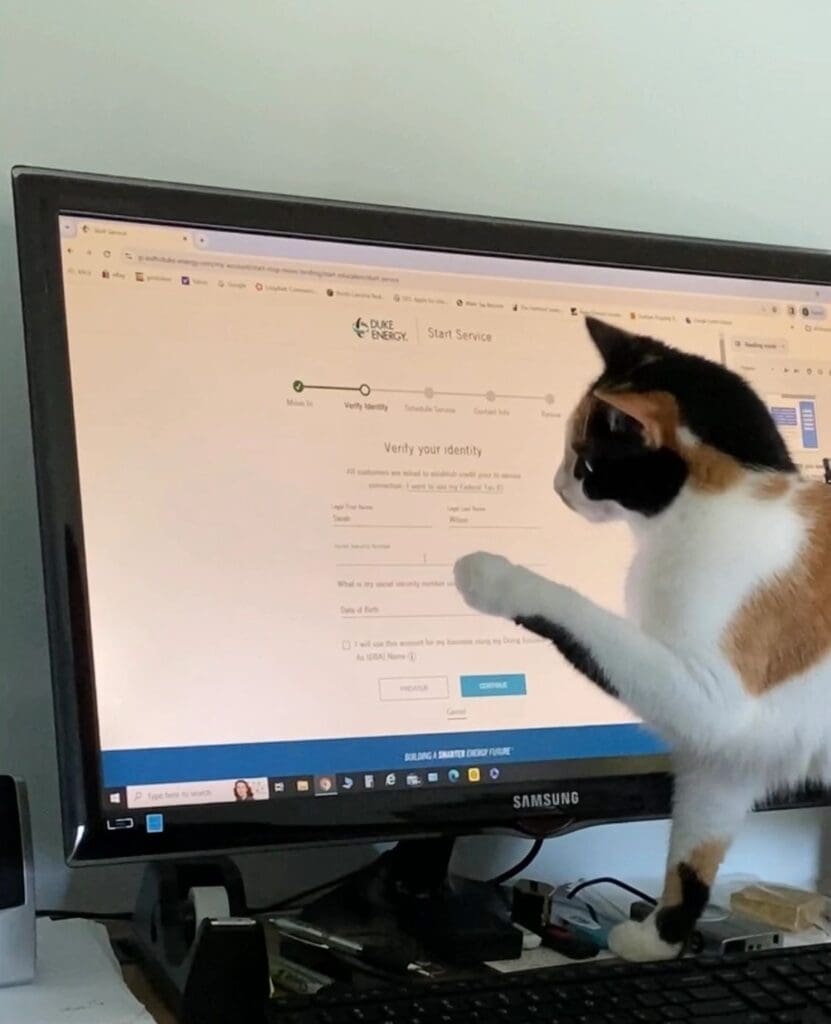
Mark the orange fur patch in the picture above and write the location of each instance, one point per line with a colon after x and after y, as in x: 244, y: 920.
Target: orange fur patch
x: 704, y: 861
x: 772, y: 485
x: 711, y: 470
x: 579, y: 422
x: 656, y: 411
x: 785, y: 626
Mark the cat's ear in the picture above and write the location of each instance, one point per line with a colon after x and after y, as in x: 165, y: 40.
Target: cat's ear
x: 655, y: 411
x: 615, y: 345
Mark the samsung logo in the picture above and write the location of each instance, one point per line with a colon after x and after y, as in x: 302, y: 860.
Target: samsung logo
x: 545, y: 801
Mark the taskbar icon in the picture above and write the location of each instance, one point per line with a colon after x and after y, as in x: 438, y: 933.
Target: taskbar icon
x: 376, y: 782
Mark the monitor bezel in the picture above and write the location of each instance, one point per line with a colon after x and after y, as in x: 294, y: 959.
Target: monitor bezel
x: 610, y: 789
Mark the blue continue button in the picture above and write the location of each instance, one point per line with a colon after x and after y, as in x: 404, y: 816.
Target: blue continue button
x: 510, y: 685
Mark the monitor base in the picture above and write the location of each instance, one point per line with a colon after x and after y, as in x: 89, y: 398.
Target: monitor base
x: 208, y: 969
x: 410, y: 898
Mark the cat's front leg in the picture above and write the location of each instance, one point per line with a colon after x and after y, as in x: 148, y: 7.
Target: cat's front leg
x: 661, y: 686
x: 708, y: 809
x: 491, y: 584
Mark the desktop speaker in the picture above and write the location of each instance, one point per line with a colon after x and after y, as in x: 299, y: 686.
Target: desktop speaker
x: 17, y: 888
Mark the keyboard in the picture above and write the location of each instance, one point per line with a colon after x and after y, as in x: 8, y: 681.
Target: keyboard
x: 785, y: 986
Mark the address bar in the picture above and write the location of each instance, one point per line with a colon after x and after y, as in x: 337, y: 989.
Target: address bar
x: 150, y: 258
x: 170, y: 260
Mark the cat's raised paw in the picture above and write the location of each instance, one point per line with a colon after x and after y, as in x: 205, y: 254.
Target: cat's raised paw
x: 485, y: 581
x: 640, y: 941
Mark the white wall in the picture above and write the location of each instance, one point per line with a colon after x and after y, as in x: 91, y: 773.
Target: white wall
x: 697, y: 117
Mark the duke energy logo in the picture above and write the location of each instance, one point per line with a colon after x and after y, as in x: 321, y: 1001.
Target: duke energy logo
x: 378, y: 330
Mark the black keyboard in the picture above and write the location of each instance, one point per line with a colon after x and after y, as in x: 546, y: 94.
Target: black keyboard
x: 783, y: 986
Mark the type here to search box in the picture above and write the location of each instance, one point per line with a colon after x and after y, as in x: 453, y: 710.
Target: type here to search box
x: 214, y: 791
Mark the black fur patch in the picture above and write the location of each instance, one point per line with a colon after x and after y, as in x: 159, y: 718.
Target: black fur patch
x: 626, y: 471
x: 572, y: 650
x: 676, y: 924
x: 719, y: 406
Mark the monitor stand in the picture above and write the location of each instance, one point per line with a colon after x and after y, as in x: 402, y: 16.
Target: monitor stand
x: 410, y: 898
x: 215, y: 970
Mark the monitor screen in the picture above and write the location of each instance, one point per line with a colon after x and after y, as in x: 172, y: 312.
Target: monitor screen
x: 284, y: 443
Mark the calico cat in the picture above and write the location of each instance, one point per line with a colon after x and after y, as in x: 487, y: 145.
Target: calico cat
x: 726, y: 650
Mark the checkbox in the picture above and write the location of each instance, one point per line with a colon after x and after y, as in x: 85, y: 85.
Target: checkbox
x: 346, y: 645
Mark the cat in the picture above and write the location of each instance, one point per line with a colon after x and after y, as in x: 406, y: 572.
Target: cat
x: 726, y: 647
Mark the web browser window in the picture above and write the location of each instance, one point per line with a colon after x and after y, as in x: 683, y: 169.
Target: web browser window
x: 283, y: 447
x: 793, y: 373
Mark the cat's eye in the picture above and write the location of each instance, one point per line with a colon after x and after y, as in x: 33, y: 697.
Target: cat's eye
x: 582, y: 467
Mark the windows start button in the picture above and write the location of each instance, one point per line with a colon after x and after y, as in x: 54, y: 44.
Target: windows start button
x: 502, y: 685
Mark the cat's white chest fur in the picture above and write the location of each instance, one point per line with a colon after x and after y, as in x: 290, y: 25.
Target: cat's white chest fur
x: 698, y: 562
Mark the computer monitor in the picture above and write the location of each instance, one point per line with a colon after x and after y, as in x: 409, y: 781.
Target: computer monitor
x: 264, y: 429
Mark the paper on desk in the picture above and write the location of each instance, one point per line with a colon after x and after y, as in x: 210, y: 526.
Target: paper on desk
x: 542, y: 956
x: 77, y: 981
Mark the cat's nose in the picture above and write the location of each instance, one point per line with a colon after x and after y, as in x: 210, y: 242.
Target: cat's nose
x: 562, y: 486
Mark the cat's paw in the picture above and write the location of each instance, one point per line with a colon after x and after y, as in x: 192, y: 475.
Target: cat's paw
x: 639, y: 940
x: 487, y: 583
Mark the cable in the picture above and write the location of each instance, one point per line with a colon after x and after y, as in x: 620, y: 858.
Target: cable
x: 299, y: 897
x: 527, y: 830
x: 612, y: 881
x: 521, y: 865
x: 87, y: 915
x: 290, y: 901
x: 304, y: 894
